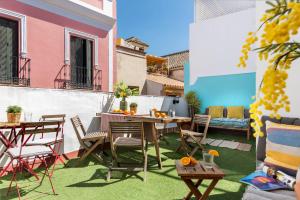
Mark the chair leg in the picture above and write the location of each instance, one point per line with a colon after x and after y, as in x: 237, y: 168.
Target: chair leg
x: 145, y: 166
x: 6, y: 168
x: 47, y: 174
x: 108, y: 175
x: 194, y: 151
x: 90, y: 150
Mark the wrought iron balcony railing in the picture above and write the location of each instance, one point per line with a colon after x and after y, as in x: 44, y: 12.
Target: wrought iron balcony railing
x: 15, y: 71
x: 75, y: 77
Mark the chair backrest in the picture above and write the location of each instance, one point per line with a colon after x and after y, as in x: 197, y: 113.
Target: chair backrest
x: 129, y: 128
x: 201, y: 120
x: 30, y: 129
x: 79, y: 128
x: 56, y: 117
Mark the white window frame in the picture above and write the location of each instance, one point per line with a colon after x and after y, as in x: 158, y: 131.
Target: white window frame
x: 72, y: 32
x: 23, y: 28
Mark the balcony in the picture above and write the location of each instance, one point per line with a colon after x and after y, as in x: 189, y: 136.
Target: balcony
x: 75, y: 77
x: 15, y: 71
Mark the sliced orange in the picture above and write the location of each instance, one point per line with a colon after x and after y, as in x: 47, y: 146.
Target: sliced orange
x: 214, y: 153
x: 185, y: 161
x: 193, y: 160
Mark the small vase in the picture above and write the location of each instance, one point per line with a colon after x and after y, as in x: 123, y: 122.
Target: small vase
x: 13, y: 117
x: 123, y: 104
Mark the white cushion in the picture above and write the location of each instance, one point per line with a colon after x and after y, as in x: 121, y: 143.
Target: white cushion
x: 29, y: 151
x: 44, y: 141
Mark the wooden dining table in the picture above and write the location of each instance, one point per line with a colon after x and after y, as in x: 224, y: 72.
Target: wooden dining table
x: 150, y: 130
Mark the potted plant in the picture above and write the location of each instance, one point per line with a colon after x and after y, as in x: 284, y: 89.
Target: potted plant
x: 122, y: 91
x: 193, y: 103
x: 133, y: 107
x: 13, y: 114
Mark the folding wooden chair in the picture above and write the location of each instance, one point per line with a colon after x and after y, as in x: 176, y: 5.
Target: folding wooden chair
x: 21, y: 156
x: 129, y: 135
x: 53, y: 142
x: 190, y: 137
x: 89, y: 141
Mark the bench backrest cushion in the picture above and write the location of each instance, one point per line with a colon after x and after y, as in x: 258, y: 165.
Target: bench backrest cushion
x: 246, y: 113
x: 283, y: 145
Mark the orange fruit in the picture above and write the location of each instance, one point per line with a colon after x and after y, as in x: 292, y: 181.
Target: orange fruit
x: 132, y: 113
x: 214, y: 153
x: 185, y: 161
x: 157, y: 115
x: 193, y: 160
x: 163, y: 115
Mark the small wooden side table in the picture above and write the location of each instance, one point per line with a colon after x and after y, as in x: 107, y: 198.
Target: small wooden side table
x: 199, y: 173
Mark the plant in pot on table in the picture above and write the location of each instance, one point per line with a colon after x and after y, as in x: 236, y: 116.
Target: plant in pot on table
x: 133, y: 107
x: 122, y: 91
x: 13, y: 114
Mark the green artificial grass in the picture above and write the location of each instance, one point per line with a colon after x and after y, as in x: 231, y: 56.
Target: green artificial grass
x: 87, y: 180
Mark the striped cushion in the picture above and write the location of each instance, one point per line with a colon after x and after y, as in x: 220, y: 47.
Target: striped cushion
x: 283, y: 145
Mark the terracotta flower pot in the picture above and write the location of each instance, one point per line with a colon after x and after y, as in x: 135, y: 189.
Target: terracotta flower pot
x: 13, y: 117
x: 133, y: 109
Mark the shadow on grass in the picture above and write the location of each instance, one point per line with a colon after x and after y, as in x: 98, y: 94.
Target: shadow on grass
x: 25, y: 189
x: 100, y: 174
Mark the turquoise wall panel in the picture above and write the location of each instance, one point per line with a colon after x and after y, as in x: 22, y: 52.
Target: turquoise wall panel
x: 224, y: 90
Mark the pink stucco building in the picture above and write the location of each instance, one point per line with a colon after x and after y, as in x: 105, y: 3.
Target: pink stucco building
x: 65, y: 44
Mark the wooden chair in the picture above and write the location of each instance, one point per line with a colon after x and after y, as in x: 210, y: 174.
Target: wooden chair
x: 53, y: 142
x: 89, y: 141
x: 129, y: 135
x: 21, y: 155
x: 190, y: 137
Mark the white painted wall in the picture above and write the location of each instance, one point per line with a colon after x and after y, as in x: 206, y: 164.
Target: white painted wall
x: 293, y: 81
x: 83, y: 103
x: 215, y: 44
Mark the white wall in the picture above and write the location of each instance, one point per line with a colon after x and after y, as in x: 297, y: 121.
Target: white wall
x: 85, y: 104
x: 215, y: 44
x: 293, y: 82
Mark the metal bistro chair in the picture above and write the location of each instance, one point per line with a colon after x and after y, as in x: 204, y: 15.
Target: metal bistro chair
x: 190, y: 137
x: 129, y: 135
x: 21, y: 156
x: 89, y: 141
x: 53, y: 142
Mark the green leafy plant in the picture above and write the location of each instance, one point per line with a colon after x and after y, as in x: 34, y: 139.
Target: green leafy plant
x: 133, y: 105
x: 14, y: 109
x: 193, y: 101
x: 122, y: 90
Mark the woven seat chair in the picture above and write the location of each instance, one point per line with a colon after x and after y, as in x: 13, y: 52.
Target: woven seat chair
x: 89, y: 141
x: 192, y: 141
x: 129, y: 135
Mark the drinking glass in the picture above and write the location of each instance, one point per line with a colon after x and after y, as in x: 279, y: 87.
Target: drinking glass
x: 27, y: 116
x: 208, y: 159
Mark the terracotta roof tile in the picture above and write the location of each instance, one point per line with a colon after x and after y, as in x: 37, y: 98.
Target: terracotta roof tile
x: 169, y: 82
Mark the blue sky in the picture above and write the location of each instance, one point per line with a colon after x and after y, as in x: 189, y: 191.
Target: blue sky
x: 163, y: 24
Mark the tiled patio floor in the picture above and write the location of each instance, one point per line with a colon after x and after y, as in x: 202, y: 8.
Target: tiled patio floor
x: 87, y: 181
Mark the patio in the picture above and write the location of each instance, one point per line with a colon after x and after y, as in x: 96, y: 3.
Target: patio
x: 87, y: 180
